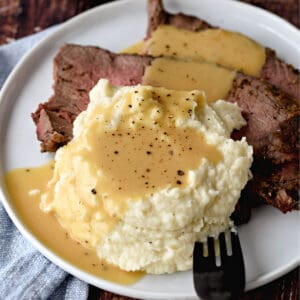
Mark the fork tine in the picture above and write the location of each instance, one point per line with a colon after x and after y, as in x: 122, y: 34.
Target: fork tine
x: 223, y: 250
x: 233, y: 266
x: 198, y: 253
x: 202, y: 263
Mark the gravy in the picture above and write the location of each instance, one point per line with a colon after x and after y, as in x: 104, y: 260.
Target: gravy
x: 226, y: 48
x: 180, y: 74
x: 205, y: 60
x: 25, y: 186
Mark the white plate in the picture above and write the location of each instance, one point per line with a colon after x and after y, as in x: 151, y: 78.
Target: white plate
x: 270, y: 241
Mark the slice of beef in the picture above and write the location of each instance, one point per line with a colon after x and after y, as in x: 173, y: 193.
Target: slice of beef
x: 76, y: 70
x: 283, y: 194
x: 272, y: 129
x: 276, y: 185
x: 275, y: 71
x: 281, y: 75
x: 272, y: 119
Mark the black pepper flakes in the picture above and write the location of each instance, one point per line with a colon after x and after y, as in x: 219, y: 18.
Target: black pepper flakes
x: 116, y: 152
x: 148, y: 152
x: 180, y: 172
x: 94, y: 191
x: 178, y: 182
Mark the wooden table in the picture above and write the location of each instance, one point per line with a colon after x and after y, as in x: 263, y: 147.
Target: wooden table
x: 19, y: 18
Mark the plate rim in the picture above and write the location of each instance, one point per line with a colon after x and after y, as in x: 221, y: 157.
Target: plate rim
x: 51, y: 255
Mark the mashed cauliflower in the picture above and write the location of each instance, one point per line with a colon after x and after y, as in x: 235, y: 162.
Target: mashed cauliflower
x: 149, y: 172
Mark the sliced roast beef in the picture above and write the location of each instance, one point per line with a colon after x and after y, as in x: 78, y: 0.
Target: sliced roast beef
x: 272, y: 129
x: 272, y: 119
x: 281, y: 75
x: 275, y: 71
x: 276, y: 185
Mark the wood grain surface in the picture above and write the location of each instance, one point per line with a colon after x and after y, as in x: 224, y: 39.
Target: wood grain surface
x: 19, y: 18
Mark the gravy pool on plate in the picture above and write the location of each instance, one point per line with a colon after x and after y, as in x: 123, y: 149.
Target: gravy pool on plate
x: 25, y: 186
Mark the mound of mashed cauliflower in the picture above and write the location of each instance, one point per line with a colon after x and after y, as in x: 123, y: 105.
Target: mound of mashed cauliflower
x: 149, y: 172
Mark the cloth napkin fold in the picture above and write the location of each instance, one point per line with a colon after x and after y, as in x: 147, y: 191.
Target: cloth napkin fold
x: 26, y: 274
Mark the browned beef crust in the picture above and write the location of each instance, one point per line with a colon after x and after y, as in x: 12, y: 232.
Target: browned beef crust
x: 272, y: 119
x: 281, y: 75
x: 273, y: 185
x: 157, y: 16
x: 272, y: 129
x: 275, y: 71
x: 283, y: 194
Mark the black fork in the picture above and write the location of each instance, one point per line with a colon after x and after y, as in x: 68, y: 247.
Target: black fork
x: 219, y: 276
